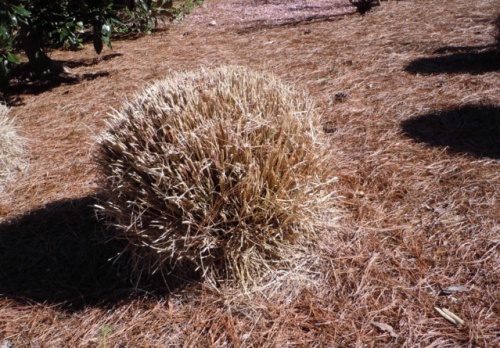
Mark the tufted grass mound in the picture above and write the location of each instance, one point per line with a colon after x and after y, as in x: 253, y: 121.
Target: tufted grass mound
x: 11, y: 148
x: 216, y: 171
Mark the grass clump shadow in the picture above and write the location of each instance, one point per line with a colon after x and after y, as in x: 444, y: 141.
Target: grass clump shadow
x: 59, y: 254
x: 214, y: 173
x: 471, y: 129
x: 468, y: 60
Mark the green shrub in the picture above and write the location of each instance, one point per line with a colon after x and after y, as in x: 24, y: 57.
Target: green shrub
x: 217, y: 171
x: 33, y: 26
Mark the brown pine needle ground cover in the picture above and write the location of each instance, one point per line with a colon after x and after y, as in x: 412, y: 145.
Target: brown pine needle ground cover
x: 410, y: 94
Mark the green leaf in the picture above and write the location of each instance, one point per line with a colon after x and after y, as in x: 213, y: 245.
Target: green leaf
x: 4, y: 63
x: 21, y: 11
x: 4, y: 32
x: 13, y: 19
x: 97, y: 42
x: 12, y: 58
x: 106, y: 30
x: 143, y: 4
x: 106, y: 33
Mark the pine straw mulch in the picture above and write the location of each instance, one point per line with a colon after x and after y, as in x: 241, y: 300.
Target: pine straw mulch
x: 410, y: 95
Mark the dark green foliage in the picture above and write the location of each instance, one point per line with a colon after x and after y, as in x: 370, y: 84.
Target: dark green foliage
x: 364, y: 6
x: 33, y: 26
x: 11, y: 17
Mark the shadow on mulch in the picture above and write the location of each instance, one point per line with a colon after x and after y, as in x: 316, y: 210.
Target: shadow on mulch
x: 289, y: 22
x: 470, y: 129
x: 462, y: 60
x: 36, y: 87
x: 61, y: 255
x: 22, y: 83
x: 88, y: 61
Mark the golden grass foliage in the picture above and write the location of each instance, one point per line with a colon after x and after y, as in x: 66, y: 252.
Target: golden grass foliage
x: 217, y: 170
x: 11, y: 148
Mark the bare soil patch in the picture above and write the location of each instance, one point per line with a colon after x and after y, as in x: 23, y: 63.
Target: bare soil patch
x: 410, y: 97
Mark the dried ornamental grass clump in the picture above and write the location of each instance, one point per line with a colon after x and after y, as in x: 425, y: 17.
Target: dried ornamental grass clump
x: 217, y: 171
x: 12, y: 158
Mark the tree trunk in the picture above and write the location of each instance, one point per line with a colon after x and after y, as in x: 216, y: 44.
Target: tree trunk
x: 40, y: 64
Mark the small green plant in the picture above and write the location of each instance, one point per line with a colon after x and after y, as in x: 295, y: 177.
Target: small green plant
x: 103, y: 334
x: 185, y: 8
x: 217, y: 171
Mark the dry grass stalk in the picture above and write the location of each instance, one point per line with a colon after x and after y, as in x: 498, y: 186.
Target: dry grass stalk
x: 218, y: 170
x: 11, y: 148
